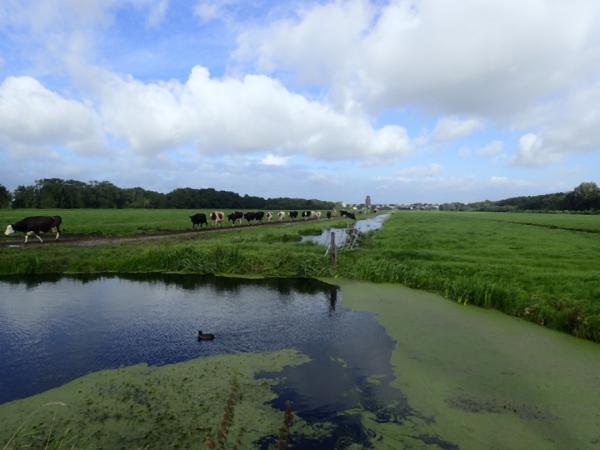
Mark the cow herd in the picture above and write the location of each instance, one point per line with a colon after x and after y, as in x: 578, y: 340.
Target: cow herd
x: 216, y: 218
x: 34, y: 226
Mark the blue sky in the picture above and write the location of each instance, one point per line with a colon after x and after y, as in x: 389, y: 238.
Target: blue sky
x: 408, y: 101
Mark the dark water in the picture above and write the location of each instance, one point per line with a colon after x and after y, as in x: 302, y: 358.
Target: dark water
x: 55, y: 330
x: 364, y: 226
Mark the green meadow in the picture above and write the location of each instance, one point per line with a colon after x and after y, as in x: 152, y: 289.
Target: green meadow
x: 118, y: 222
x: 544, y: 268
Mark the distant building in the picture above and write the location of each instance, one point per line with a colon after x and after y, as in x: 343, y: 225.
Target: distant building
x: 368, y: 201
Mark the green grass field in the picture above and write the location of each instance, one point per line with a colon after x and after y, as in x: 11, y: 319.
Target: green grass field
x: 550, y: 276
x: 117, y: 222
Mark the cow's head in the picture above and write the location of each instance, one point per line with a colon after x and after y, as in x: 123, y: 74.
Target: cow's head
x: 9, y: 230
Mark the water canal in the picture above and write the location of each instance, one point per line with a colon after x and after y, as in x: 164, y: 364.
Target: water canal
x: 374, y: 365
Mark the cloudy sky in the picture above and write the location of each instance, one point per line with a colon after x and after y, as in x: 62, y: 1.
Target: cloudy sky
x: 404, y: 100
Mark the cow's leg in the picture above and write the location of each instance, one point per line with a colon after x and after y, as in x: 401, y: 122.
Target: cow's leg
x: 37, y: 236
x: 27, y: 236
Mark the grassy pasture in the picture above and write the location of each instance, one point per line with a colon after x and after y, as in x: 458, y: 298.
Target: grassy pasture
x: 118, y: 222
x: 550, y: 276
x: 579, y: 222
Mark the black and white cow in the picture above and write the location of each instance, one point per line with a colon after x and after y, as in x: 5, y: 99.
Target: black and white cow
x: 217, y: 217
x: 239, y: 216
x: 306, y: 215
x: 250, y: 216
x: 268, y: 216
x: 259, y: 215
x: 235, y: 217
x: 281, y: 216
x: 293, y: 215
x: 198, y: 219
x: 31, y: 226
x: 349, y: 215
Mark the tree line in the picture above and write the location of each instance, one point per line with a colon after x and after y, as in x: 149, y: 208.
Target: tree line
x: 58, y: 193
x: 585, y: 197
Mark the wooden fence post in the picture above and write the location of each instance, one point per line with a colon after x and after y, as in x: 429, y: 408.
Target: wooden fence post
x: 332, y: 251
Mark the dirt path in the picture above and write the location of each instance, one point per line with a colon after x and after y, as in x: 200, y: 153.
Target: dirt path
x: 83, y: 240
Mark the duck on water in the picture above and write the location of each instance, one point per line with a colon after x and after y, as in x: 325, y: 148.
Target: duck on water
x: 205, y: 336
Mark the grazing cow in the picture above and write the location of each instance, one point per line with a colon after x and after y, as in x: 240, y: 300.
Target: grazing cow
x: 349, y: 215
x: 31, y: 226
x: 328, y: 215
x: 306, y: 215
x: 259, y: 215
x: 268, y: 216
x: 239, y: 216
x: 198, y: 219
x: 317, y: 214
x: 281, y: 216
x: 217, y: 217
x: 293, y: 215
x: 235, y: 216
x: 250, y: 216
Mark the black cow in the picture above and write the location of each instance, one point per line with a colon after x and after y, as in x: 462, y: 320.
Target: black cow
x: 239, y: 216
x: 329, y: 214
x: 349, y: 215
x: 235, y: 216
x: 293, y: 215
x: 259, y: 215
x: 34, y: 225
x: 198, y: 219
x: 250, y: 216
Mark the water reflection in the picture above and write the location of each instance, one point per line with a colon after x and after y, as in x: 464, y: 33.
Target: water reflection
x: 341, y: 235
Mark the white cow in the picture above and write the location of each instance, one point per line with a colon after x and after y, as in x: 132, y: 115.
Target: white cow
x: 281, y: 216
x: 268, y: 216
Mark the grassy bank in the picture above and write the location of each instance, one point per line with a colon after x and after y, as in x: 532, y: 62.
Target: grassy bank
x: 546, y: 275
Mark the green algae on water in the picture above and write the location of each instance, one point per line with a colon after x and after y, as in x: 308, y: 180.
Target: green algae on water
x: 180, y: 405
x: 480, y: 379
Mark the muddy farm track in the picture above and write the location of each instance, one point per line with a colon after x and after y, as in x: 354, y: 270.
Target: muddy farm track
x: 86, y: 240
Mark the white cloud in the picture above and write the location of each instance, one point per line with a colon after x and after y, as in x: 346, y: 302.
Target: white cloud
x: 532, y: 152
x: 33, y: 117
x: 274, y: 160
x: 212, y: 10
x: 248, y: 114
x: 421, y: 171
x: 507, y: 182
x: 500, y: 61
x: 449, y: 128
x: 493, y: 149
x: 307, y: 43
x: 458, y: 57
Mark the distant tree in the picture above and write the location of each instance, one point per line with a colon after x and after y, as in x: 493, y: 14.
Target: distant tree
x: 24, y: 197
x: 584, y: 197
x: 5, y: 197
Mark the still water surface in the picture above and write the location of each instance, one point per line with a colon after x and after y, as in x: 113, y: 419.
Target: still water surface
x: 363, y: 226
